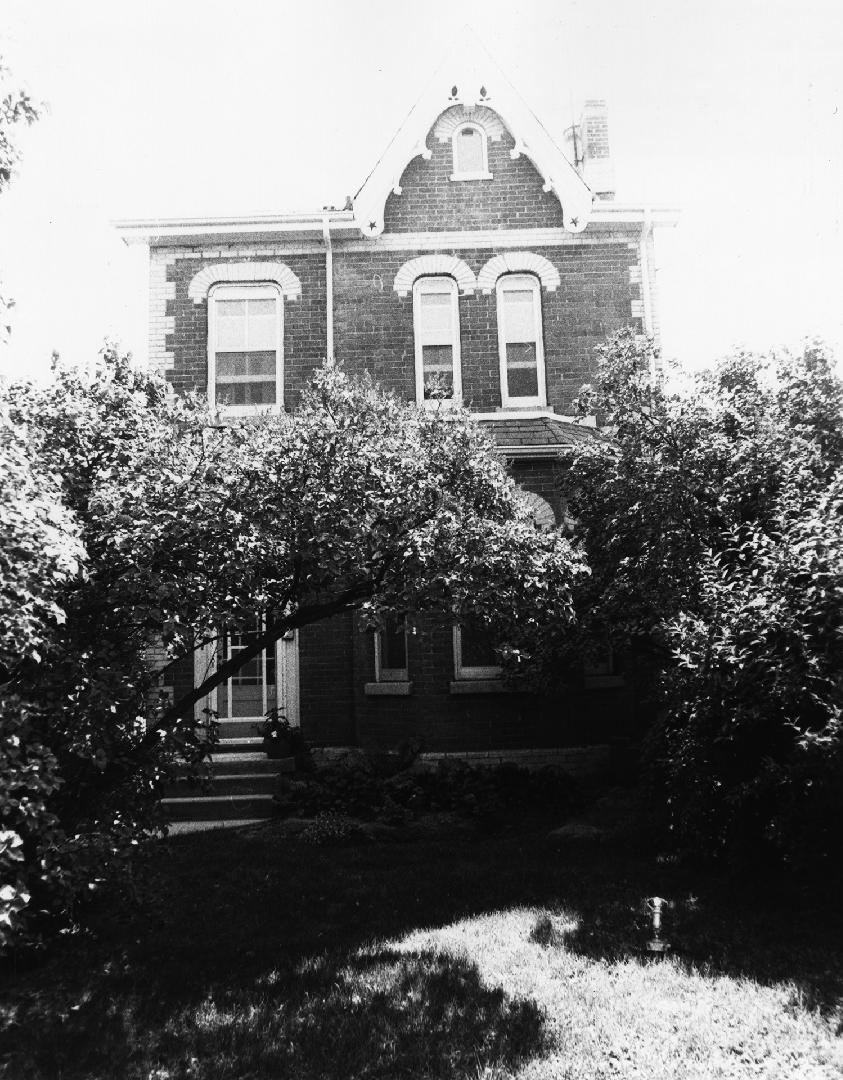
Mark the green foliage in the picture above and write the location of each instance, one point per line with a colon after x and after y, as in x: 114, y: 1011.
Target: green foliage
x: 712, y: 525
x: 17, y: 109
x: 140, y: 519
x: 363, y: 790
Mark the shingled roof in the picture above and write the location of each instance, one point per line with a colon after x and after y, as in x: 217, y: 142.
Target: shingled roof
x: 537, y: 433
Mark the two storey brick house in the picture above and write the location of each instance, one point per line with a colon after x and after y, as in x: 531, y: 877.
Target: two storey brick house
x: 478, y: 262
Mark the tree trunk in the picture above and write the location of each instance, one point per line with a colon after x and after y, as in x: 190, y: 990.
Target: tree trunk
x: 351, y: 598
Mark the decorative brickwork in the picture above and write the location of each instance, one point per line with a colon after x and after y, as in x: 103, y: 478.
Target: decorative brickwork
x: 373, y: 325
x: 528, y: 211
x: 453, y: 118
x: 430, y: 200
x: 278, y: 273
x: 448, y: 265
x: 518, y: 262
x: 304, y: 319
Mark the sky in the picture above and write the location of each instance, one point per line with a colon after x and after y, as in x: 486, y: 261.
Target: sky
x: 729, y: 111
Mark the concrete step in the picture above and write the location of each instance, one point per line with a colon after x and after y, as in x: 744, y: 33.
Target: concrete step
x: 224, y: 783
x: 253, y: 743
x: 217, y: 807
x: 251, y: 762
x: 237, y: 729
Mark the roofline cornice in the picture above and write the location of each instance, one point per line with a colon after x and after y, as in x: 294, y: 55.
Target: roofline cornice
x: 342, y: 225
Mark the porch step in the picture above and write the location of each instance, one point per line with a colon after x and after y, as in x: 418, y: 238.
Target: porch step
x: 251, y: 762
x: 238, y: 729
x: 218, y: 807
x: 237, y: 744
x: 225, y: 783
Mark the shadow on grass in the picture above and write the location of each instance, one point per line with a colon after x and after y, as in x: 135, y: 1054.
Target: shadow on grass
x: 374, y: 1014
x: 253, y: 956
x: 770, y: 928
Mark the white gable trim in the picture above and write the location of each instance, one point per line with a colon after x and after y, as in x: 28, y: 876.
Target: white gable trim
x: 276, y: 272
x: 457, y: 117
x: 518, y: 262
x: 472, y: 79
x: 434, y: 264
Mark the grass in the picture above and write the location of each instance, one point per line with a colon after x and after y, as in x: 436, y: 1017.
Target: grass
x: 249, y: 955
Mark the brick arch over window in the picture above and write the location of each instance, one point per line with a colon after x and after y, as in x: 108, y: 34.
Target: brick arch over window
x: 456, y: 117
x: 540, y: 510
x: 434, y: 264
x: 519, y: 262
x: 241, y: 272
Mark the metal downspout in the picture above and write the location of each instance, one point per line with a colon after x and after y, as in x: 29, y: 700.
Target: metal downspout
x: 329, y: 289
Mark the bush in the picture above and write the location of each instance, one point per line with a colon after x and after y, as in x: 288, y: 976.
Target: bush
x: 362, y: 790
x: 712, y: 525
x: 750, y: 750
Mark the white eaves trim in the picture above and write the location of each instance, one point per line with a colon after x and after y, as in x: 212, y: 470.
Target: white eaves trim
x: 478, y: 81
x: 188, y: 230
x: 344, y: 228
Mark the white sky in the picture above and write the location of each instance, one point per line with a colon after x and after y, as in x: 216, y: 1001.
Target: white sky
x: 729, y: 109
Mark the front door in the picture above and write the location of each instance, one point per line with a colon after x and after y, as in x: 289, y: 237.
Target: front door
x: 267, y: 681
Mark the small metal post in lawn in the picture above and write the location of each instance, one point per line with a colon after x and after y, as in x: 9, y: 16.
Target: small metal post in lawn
x: 655, y: 905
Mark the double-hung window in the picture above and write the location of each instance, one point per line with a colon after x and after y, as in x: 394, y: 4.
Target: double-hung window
x: 475, y: 653
x: 520, y: 340
x: 391, y: 652
x: 245, y: 335
x: 436, y: 318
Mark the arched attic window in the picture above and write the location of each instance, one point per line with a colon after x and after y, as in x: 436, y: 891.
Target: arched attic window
x: 470, y: 148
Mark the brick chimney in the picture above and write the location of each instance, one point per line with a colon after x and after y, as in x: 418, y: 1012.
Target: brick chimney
x: 596, y: 164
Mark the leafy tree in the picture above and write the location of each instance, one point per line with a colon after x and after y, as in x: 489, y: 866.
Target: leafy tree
x: 16, y: 108
x: 712, y: 527
x: 40, y: 555
x: 354, y: 501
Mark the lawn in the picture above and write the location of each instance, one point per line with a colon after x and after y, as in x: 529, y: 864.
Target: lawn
x: 461, y: 954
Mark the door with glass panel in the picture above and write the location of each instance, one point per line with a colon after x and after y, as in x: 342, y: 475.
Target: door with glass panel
x: 267, y: 681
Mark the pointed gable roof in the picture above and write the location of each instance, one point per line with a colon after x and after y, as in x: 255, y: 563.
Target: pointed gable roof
x: 470, y: 77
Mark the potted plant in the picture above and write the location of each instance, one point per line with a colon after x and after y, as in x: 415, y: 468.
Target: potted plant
x: 276, y: 734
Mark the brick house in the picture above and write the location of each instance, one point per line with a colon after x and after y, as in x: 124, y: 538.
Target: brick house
x: 477, y: 258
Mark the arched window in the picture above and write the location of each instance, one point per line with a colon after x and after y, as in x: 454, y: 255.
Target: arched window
x: 436, y: 318
x: 470, y: 153
x: 540, y: 510
x: 245, y: 336
x: 520, y: 340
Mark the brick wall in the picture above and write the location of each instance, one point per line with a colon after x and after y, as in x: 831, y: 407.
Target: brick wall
x: 598, y: 294
x: 326, y: 681
x: 186, y: 344
x: 431, y: 201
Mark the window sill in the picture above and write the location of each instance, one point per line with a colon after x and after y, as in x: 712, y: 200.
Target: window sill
x: 480, y: 686
x: 225, y: 411
x: 388, y: 689
x: 471, y: 176
x: 440, y: 403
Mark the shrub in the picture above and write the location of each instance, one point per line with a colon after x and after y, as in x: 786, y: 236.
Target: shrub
x: 712, y: 525
x: 750, y: 749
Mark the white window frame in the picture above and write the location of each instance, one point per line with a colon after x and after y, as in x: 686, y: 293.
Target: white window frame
x: 385, y: 674
x: 488, y: 671
x: 518, y: 283
x: 483, y: 173
x: 245, y: 291
x: 428, y: 284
